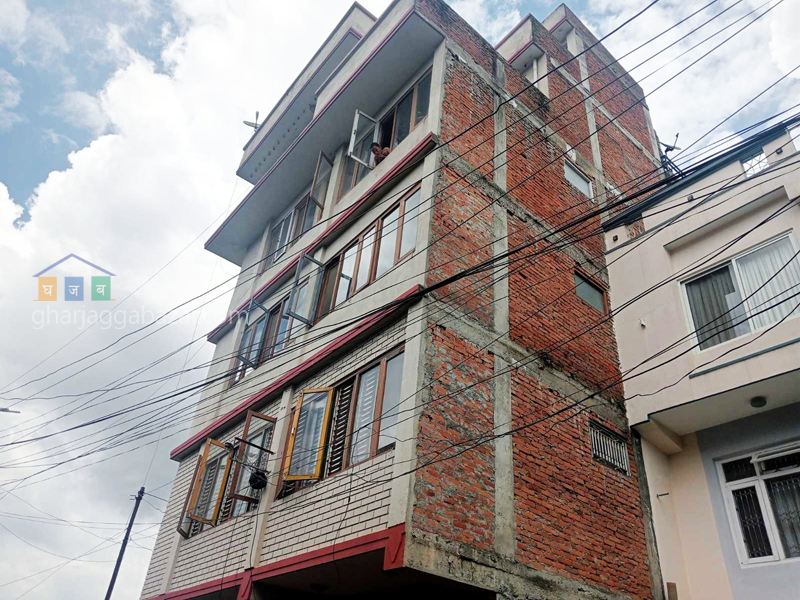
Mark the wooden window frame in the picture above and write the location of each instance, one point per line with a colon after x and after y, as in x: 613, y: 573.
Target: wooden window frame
x: 197, y: 481
x: 377, y: 226
x: 382, y: 361
x: 322, y: 437
x: 413, y: 123
x: 320, y: 201
x: 251, y: 414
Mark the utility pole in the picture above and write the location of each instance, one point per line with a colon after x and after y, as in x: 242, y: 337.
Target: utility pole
x: 139, y: 497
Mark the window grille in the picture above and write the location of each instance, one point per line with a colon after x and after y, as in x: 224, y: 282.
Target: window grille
x: 609, y: 448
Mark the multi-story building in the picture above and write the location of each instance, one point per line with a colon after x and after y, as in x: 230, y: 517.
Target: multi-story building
x: 719, y: 413
x: 369, y: 424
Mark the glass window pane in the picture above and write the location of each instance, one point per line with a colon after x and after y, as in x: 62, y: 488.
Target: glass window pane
x: 736, y: 470
x: 300, y: 302
x: 391, y: 400
x: 364, y: 415
x: 423, y: 98
x: 281, y: 337
x: 310, y: 215
x: 589, y: 293
x: 715, y: 304
x: 751, y: 520
x: 323, y: 179
x: 756, y: 269
x: 403, y: 119
x: 409, y: 238
x: 346, y: 276
x: 784, y: 494
x: 364, y: 264
x: 327, y: 288
x: 307, y: 436
x: 388, y: 242
x: 347, y: 182
x: 577, y: 180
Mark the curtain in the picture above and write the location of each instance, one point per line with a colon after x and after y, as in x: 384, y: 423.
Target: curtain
x: 757, y: 267
x: 711, y: 299
x: 784, y: 493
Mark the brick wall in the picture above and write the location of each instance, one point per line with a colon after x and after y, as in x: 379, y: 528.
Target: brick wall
x: 575, y: 518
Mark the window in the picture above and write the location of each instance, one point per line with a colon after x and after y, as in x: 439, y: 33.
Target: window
x: 590, y: 293
x: 309, y: 209
x: 762, y: 496
x: 745, y: 294
x: 307, y: 437
x: 262, y: 339
x: 395, y: 126
x: 220, y: 491
x: 409, y: 112
x: 383, y: 245
x: 205, y: 496
x: 278, y: 241
x: 609, y: 448
x: 577, y: 179
x: 755, y: 164
x: 360, y: 413
x: 251, y: 457
x: 358, y: 159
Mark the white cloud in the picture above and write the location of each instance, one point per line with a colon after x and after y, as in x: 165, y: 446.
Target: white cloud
x: 130, y: 201
x: 58, y: 139
x: 10, y: 96
x: 491, y: 18
x: 84, y: 110
x: 31, y: 36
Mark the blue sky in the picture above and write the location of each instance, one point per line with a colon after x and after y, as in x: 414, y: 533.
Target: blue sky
x: 67, y: 54
x: 125, y: 117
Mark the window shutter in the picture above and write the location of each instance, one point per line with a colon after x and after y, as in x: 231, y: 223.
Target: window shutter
x: 227, y: 503
x: 339, y: 429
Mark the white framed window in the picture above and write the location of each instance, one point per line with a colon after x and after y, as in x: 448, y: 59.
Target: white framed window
x: 755, y: 164
x: 762, y: 499
x: 747, y: 293
x: 577, y: 179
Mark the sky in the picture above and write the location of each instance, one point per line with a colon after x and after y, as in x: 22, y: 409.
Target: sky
x: 120, y: 132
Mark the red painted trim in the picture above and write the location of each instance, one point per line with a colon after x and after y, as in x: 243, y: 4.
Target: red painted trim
x: 360, y: 545
x: 207, y: 587
x: 311, y: 124
x: 290, y: 375
x: 386, y: 539
x: 527, y: 17
x: 349, y: 31
x: 413, y: 155
x: 395, y: 548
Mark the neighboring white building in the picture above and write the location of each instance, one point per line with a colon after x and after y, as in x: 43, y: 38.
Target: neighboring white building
x: 720, y: 416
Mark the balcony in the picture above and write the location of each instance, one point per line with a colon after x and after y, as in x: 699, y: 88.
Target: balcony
x: 365, y: 81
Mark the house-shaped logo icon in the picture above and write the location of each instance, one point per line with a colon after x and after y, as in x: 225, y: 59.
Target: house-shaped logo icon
x: 73, y: 286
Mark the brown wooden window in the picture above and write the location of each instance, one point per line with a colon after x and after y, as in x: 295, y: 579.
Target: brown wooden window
x: 334, y: 428
x: 250, y: 457
x: 395, y: 126
x: 207, y: 490
x: 380, y: 247
x: 409, y: 112
x: 306, y: 447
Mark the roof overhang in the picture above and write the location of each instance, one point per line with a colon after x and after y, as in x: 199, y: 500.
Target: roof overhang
x: 368, y: 88
x: 265, y: 147
x: 665, y: 427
